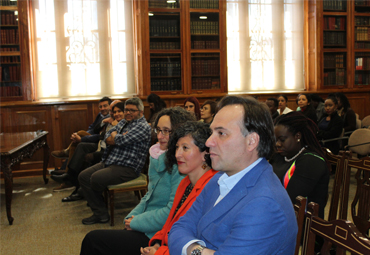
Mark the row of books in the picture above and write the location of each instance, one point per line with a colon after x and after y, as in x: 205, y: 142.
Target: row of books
x: 204, y: 44
x: 10, y: 73
x: 205, y: 83
x: 163, y: 4
x: 205, y: 67
x: 164, y: 45
x: 9, y: 36
x: 362, y: 79
x: 362, y: 45
x: 8, y: 3
x: 334, y: 38
x: 164, y: 27
x: 9, y: 49
x: 10, y: 59
x: 334, y: 61
x: 362, y: 33
x: 204, y: 27
x: 8, y: 18
x: 362, y: 63
x: 10, y: 91
x: 362, y: 21
x: 337, y: 77
x: 362, y: 2
x: 338, y: 5
x: 204, y: 4
x: 165, y: 84
x: 335, y: 23
x: 161, y: 68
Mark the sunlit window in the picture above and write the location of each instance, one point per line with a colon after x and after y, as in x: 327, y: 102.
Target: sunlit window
x: 265, y: 45
x: 83, y: 48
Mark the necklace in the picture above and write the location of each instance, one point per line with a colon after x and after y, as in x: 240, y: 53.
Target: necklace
x: 288, y: 160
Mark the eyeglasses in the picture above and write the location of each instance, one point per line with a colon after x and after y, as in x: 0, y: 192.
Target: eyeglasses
x: 164, y: 131
x: 131, y: 110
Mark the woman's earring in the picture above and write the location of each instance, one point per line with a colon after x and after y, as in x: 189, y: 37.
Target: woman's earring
x: 204, y: 166
x: 298, y: 140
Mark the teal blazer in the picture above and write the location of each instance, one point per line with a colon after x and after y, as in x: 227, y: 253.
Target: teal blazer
x: 152, y: 211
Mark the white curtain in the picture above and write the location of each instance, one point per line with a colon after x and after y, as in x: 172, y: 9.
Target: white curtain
x: 265, y: 45
x: 84, y: 48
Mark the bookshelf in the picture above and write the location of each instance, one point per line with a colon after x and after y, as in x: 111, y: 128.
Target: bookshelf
x: 183, y: 46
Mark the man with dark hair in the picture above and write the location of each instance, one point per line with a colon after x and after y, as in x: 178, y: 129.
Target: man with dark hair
x: 90, y: 136
x: 244, y: 209
x: 127, y: 147
x: 273, y: 105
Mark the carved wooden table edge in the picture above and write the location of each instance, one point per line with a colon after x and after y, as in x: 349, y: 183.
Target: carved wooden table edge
x: 16, y: 155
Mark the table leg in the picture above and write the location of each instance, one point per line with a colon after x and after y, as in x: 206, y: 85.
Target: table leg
x: 8, y: 179
x: 46, y: 162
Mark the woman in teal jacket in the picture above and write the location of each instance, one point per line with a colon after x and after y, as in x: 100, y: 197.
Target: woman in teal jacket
x: 151, y: 213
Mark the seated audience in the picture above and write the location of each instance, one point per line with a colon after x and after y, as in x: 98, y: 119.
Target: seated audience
x: 89, y: 136
x: 208, y: 110
x: 151, y: 213
x: 318, y: 104
x: 304, y: 103
x: 191, y: 104
x: 273, y: 104
x: 122, y: 161
x: 331, y: 125
x: 283, y: 109
x: 79, y: 162
x: 299, y: 161
x: 156, y: 104
x: 345, y: 111
x: 244, y: 209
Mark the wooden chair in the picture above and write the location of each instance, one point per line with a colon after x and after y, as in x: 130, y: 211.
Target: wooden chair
x: 299, y: 209
x: 339, y: 200
x: 341, y: 233
x: 138, y: 185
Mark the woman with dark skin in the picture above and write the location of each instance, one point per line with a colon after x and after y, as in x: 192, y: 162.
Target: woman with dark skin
x: 345, y: 111
x: 191, y: 104
x: 330, y: 125
x: 156, y: 104
x: 304, y: 102
x: 299, y: 162
x: 283, y: 109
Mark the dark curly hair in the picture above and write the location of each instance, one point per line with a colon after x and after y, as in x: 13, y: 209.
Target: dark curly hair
x: 297, y: 122
x: 159, y: 104
x: 199, y: 131
x: 177, y: 116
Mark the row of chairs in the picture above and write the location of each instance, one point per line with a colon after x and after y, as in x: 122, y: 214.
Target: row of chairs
x: 339, y: 233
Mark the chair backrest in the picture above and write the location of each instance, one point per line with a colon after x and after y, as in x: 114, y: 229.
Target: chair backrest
x: 341, y: 233
x: 358, y: 121
x: 365, y: 121
x: 359, y: 141
x: 360, y: 207
x: 300, y: 210
x: 339, y: 200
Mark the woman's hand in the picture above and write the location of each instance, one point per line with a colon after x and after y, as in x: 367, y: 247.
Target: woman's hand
x: 151, y: 250
x: 127, y: 222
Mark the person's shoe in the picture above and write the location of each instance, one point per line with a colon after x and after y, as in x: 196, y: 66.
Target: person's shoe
x: 95, y: 219
x: 73, y: 197
x: 60, y: 178
x: 64, y: 187
x: 57, y: 172
x: 63, y: 154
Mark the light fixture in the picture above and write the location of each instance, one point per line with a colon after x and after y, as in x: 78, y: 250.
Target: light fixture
x: 202, y: 17
x: 150, y: 14
x: 15, y: 13
x: 171, y: 1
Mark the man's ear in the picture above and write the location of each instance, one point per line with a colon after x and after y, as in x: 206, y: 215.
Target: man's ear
x: 252, y: 141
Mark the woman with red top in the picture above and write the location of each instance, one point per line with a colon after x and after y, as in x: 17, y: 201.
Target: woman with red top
x: 186, y: 149
x: 304, y: 102
x: 191, y: 104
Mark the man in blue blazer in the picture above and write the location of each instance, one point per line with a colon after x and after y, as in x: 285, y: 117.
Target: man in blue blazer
x: 244, y: 209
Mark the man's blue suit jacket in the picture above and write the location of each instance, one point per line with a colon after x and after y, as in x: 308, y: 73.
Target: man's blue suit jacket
x: 255, y: 217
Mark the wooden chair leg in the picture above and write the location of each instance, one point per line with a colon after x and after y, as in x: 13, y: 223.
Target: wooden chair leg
x: 111, y: 198
x: 106, y: 197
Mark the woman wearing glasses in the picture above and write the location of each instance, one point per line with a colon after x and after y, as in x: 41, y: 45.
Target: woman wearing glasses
x: 151, y: 213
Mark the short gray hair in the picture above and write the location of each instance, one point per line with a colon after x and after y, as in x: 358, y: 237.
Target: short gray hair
x: 135, y: 101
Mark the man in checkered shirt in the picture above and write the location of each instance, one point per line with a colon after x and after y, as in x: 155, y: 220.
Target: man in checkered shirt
x: 122, y: 161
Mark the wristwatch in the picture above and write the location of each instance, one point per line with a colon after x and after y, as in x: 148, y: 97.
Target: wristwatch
x: 198, y: 250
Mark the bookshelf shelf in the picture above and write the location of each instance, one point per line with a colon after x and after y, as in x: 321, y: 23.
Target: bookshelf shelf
x: 172, y: 38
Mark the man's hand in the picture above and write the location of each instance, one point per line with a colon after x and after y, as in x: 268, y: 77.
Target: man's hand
x: 151, y: 250
x: 110, y: 139
x: 127, y: 223
x: 75, y: 138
